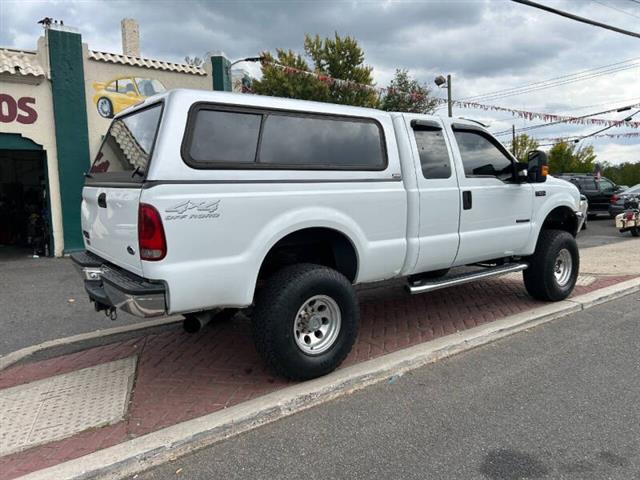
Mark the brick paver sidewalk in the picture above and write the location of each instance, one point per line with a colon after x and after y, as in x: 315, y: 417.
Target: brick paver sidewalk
x: 181, y: 376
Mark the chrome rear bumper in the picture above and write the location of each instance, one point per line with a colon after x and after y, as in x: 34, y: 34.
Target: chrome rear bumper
x: 111, y: 287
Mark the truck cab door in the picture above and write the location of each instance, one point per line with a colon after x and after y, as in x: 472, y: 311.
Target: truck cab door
x: 495, y: 219
x: 439, y: 195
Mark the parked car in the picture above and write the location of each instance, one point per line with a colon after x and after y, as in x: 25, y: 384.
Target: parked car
x: 598, y: 192
x: 201, y: 201
x: 584, y: 208
x: 629, y: 220
x: 616, y: 205
x: 115, y: 95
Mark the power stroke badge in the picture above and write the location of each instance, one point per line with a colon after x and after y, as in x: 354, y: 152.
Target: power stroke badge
x: 193, y: 210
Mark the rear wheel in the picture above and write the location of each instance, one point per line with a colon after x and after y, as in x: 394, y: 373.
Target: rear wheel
x: 305, y: 320
x: 635, y: 232
x: 553, y: 268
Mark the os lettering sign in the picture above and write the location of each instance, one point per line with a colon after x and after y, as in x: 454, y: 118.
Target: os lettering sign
x: 20, y: 110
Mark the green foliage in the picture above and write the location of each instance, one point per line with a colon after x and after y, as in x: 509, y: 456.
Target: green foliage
x: 522, y: 145
x: 280, y: 83
x: 341, y: 57
x: 406, y: 94
x: 626, y: 173
x: 338, y: 57
x: 566, y: 158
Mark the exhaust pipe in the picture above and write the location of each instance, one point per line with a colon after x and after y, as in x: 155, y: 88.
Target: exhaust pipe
x: 194, y: 322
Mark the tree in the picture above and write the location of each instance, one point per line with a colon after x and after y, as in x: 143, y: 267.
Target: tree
x: 332, y: 58
x: 565, y: 157
x: 278, y: 82
x: 522, y: 145
x: 406, y: 94
x: 627, y: 173
x: 342, y: 58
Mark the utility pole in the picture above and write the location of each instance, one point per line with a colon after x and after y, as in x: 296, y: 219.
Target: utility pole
x: 449, y: 99
x: 513, y: 140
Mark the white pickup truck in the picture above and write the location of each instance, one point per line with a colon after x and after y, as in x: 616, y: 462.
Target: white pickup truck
x: 200, y: 203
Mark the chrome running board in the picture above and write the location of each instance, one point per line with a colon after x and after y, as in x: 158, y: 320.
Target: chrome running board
x: 423, y: 286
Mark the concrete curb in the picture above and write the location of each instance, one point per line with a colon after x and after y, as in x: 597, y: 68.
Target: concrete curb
x: 13, y: 357
x: 169, y: 443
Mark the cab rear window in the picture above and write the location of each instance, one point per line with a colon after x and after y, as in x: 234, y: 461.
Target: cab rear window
x: 127, y: 146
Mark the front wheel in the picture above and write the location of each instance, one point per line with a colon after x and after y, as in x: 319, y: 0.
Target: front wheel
x: 105, y: 107
x: 305, y: 320
x: 553, y: 267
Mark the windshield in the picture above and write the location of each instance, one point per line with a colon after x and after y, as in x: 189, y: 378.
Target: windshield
x: 127, y: 146
x: 149, y: 86
x: 634, y: 189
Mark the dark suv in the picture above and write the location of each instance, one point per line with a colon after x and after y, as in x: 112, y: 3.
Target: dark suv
x: 598, y: 192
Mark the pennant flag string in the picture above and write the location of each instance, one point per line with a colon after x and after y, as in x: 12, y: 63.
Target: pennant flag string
x: 524, y: 114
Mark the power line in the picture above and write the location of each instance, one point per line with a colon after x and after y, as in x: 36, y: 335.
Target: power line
x: 557, y: 81
x: 577, y: 18
x: 560, y: 77
x: 627, y: 119
x: 616, y: 8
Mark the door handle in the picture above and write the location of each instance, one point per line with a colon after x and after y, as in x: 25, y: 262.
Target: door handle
x: 467, y: 200
x: 102, y: 200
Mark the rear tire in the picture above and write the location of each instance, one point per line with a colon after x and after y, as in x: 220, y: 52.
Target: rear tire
x: 305, y: 320
x: 635, y: 232
x: 554, y: 266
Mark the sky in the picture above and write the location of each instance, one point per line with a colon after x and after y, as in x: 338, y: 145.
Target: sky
x: 486, y: 45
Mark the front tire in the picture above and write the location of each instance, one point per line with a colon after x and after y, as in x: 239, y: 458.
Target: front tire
x: 553, y: 267
x: 305, y: 321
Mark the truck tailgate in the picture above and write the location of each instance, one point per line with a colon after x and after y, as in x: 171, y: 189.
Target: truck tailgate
x: 110, y: 225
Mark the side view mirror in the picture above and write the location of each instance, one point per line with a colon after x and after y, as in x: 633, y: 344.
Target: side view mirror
x: 537, y: 166
x: 521, y: 172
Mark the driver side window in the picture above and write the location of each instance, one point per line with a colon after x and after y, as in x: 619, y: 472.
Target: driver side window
x: 606, y: 186
x: 481, y: 157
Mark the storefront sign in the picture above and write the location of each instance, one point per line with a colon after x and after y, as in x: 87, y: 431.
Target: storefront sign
x: 20, y: 110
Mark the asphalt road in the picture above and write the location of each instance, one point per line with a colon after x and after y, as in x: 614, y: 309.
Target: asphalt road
x: 44, y: 299
x: 600, y: 231
x: 556, y: 402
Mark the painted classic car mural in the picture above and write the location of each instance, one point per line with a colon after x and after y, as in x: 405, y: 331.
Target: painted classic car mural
x: 119, y: 93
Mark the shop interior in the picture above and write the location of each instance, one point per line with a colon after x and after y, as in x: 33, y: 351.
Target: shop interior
x: 24, y: 205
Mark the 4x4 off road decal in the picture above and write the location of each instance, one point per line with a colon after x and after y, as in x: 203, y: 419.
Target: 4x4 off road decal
x: 193, y: 210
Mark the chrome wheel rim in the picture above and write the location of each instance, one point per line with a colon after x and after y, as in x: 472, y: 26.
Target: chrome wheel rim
x: 317, y: 325
x: 104, y: 107
x: 563, y: 267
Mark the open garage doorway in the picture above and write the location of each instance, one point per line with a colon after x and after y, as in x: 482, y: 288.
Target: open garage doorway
x: 25, y: 220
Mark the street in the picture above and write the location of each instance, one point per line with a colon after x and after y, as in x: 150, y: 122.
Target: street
x: 56, y: 284
x: 44, y: 299
x: 600, y: 231
x: 559, y: 401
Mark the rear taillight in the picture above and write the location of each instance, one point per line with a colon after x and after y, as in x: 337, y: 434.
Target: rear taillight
x: 151, y: 240
x: 628, y: 216
x: 614, y: 198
